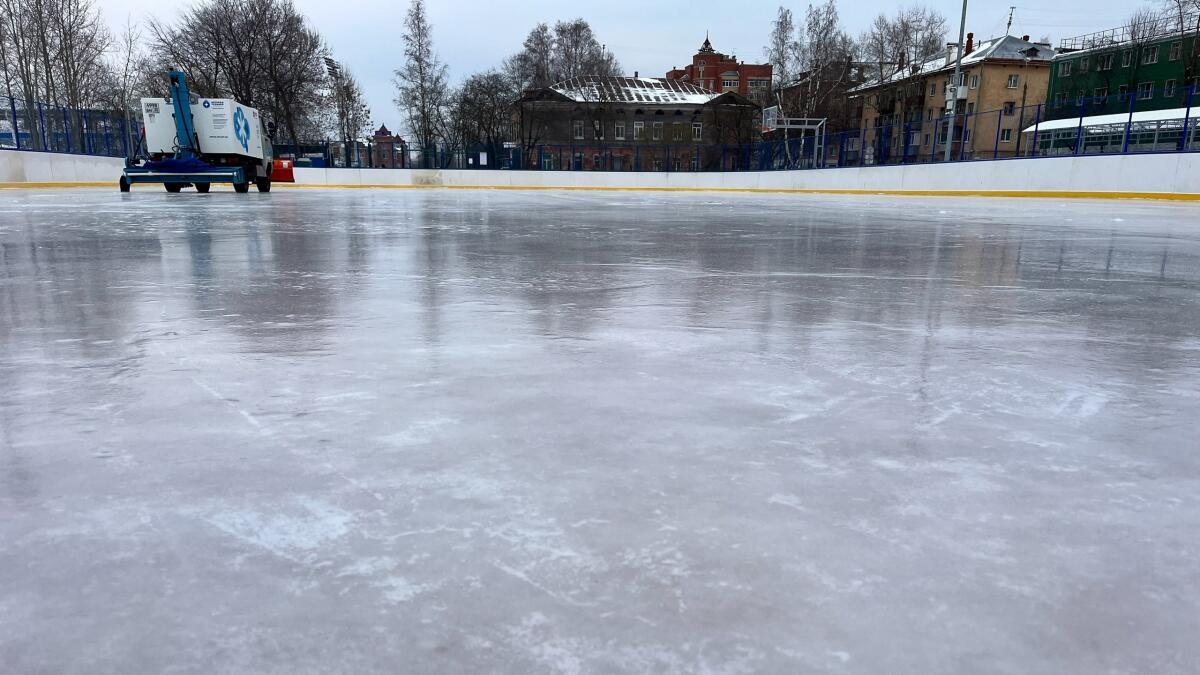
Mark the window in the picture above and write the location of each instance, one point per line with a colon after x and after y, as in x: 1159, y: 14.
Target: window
x: 578, y: 131
x: 1150, y: 55
x: 1145, y: 91
x: 598, y: 131
x: 1101, y: 94
x: 1122, y: 91
x: 596, y: 162
x: 932, y: 88
x: 1104, y: 62
x: 1006, y: 135
x: 697, y: 131
x: 658, y: 131
x: 1065, y: 69
x: 639, y: 131
x: 1010, y: 107
x: 1126, y: 58
x: 974, y: 81
x: 729, y: 84
x: 928, y: 114
x: 1012, y: 81
x: 677, y: 132
x: 1169, y: 88
x: 701, y: 62
x: 1060, y: 99
x: 1176, y: 51
x: 619, y: 131
x: 970, y: 107
x: 1083, y: 65
x: 926, y: 139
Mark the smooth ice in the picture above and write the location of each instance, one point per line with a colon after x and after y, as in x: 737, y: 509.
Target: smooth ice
x: 320, y: 431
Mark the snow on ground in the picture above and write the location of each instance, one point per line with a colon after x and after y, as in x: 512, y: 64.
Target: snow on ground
x: 455, y: 431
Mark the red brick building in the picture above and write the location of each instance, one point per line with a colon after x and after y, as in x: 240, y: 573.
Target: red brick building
x: 719, y: 72
x: 388, y: 149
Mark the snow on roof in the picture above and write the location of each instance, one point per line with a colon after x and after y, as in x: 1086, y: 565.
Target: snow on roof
x: 648, y: 90
x: 1171, y: 114
x: 1007, y: 47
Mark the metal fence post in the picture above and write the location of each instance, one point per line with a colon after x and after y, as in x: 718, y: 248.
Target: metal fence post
x: 12, y: 104
x: 1128, y: 122
x: 1079, y: 129
x: 67, y: 128
x: 42, y: 122
x: 1037, y: 123
x: 999, y: 123
x: 1187, y: 115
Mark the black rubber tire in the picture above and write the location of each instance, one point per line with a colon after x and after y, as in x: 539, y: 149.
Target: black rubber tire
x: 123, y: 184
x: 263, y: 184
x: 173, y: 187
x: 202, y: 188
x: 241, y: 188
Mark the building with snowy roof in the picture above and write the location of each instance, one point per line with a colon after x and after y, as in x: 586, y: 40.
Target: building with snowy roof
x: 906, y: 108
x: 630, y: 123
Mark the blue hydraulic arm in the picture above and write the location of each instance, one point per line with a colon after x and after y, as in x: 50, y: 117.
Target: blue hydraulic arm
x: 185, y: 130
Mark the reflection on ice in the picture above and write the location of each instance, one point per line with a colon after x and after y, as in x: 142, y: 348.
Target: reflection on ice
x: 497, y: 431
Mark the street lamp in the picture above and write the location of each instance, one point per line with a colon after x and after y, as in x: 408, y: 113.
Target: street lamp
x: 335, y: 72
x: 962, y: 30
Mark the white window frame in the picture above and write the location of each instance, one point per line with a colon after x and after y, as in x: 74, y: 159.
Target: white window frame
x: 974, y: 81
x: 1013, y: 80
x: 1176, y: 51
x: 656, y: 133
x: 1006, y: 135
x: 677, y: 131
x: 1126, y: 58
x: 1105, y: 61
x: 639, y: 131
x: 1169, y: 88
x: 1148, y: 87
x: 619, y: 131
x: 1065, y: 69
x: 729, y: 84
x: 597, y: 131
x: 1150, y: 55
x: 577, y: 130
x: 697, y: 131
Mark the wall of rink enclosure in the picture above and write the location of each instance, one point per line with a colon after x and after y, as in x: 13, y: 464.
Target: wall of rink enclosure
x: 1087, y: 126
x: 1168, y: 175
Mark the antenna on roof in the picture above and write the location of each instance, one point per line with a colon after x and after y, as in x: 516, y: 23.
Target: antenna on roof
x: 1009, y: 26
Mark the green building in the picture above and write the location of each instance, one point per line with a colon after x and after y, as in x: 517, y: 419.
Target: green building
x: 1149, y: 66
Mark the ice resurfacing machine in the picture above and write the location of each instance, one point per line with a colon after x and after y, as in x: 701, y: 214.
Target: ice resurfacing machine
x: 215, y: 140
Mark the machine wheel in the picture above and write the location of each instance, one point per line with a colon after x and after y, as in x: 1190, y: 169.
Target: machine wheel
x: 123, y: 184
x: 263, y: 184
x: 173, y: 187
x: 202, y: 188
x: 241, y: 188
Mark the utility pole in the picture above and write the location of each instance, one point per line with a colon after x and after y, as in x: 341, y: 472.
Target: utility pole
x: 335, y: 73
x: 962, y: 35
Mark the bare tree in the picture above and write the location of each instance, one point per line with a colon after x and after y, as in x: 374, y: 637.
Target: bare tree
x: 569, y: 50
x: 826, y: 56
x: 486, y: 100
x: 422, y: 92
x: 263, y: 53
x: 783, y: 51
x: 911, y: 35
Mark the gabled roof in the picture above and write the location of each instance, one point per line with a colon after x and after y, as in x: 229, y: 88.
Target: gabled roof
x: 645, y: 90
x: 992, y: 49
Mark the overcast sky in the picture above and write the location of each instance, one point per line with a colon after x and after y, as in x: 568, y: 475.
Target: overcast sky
x: 647, y: 36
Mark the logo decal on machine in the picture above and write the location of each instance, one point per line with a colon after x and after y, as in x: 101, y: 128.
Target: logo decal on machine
x: 241, y: 129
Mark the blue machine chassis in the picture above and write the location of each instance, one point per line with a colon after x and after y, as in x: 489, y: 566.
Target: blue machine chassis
x: 136, y: 174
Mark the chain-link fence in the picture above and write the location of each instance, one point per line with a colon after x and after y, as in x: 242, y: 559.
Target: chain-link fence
x: 31, y: 125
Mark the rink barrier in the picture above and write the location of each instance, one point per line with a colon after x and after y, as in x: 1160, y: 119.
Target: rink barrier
x: 1172, y: 176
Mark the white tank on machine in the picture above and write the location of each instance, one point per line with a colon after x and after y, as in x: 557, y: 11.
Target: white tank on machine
x: 223, y: 126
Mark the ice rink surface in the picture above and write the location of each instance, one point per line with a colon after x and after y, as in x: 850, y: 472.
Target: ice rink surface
x: 522, y: 432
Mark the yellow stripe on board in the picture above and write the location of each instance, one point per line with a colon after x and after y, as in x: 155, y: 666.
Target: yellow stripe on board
x: 1044, y: 194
